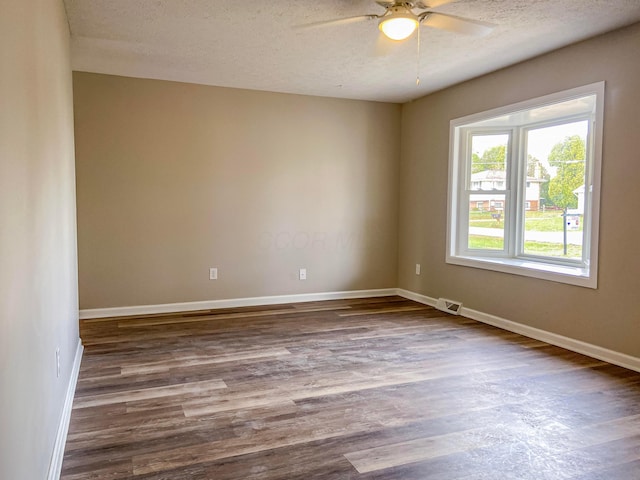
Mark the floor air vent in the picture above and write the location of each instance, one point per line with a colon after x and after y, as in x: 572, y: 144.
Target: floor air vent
x: 449, y: 306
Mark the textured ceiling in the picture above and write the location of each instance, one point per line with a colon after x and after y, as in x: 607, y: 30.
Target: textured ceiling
x: 251, y: 43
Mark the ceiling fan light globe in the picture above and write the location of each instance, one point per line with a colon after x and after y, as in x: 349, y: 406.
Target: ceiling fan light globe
x: 398, y: 26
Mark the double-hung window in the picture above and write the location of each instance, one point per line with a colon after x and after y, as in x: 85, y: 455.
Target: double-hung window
x: 524, y: 186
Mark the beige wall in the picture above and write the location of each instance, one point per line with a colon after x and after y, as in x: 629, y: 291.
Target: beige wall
x: 175, y: 178
x: 38, y: 268
x: 608, y: 316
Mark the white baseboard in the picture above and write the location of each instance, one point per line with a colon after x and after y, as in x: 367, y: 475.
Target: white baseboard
x: 55, y: 467
x: 232, y: 303
x: 416, y: 297
x: 600, y: 353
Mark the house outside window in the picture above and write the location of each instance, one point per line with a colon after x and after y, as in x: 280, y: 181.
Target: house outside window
x: 524, y: 184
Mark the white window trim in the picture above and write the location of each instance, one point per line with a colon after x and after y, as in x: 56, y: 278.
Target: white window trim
x: 541, y: 268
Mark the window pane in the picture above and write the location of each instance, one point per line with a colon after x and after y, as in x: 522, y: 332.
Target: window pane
x: 555, y: 186
x: 488, y: 162
x: 486, y: 221
x: 523, y: 185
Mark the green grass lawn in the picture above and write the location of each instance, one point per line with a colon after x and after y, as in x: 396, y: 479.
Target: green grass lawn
x: 534, y: 221
x: 532, y: 248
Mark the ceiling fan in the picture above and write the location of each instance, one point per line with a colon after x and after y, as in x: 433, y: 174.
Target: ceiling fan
x: 399, y: 20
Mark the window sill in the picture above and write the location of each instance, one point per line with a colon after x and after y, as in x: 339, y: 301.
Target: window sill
x: 581, y: 277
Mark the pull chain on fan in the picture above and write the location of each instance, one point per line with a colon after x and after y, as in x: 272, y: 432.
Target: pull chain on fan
x: 418, y: 62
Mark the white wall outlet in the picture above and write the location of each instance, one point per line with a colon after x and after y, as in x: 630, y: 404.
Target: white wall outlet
x: 58, y: 362
x: 213, y: 274
x: 303, y: 274
x: 417, y: 269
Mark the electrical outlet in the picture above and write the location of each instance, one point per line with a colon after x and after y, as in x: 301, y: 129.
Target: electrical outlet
x: 58, y: 362
x: 417, y: 269
x: 213, y: 274
x: 303, y: 274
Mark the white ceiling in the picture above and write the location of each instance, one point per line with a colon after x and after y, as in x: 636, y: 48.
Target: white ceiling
x: 251, y: 43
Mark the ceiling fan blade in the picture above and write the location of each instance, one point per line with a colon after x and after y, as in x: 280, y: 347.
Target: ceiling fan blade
x: 425, y: 4
x: 455, y: 24
x: 339, y: 21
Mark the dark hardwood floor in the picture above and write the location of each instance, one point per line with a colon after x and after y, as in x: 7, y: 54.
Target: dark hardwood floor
x: 366, y: 389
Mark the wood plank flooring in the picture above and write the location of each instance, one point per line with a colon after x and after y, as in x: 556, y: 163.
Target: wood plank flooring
x: 367, y: 389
